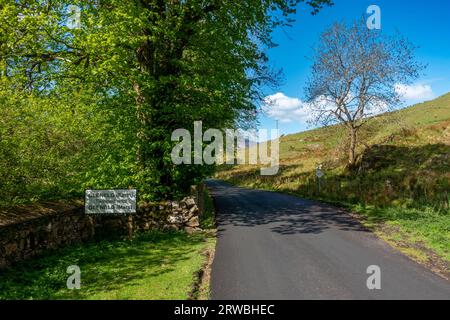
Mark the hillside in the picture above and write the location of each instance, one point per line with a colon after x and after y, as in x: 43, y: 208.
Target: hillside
x: 402, y: 180
x: 423, y: 125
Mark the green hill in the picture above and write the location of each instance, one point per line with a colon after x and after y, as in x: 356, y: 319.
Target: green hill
x: 402, y: 180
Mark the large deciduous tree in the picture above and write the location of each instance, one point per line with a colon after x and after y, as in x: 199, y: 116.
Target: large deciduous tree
x: 355, y: 75
x: 167, y: 62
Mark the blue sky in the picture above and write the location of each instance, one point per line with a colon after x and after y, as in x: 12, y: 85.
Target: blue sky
x: 425, y: 23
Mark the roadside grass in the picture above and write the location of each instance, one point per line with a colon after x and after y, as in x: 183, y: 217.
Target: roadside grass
x: 154, y: 265
x: 208, y: 220
x: 207, y: 223
x: 410, y: 225
x: 401, y: 189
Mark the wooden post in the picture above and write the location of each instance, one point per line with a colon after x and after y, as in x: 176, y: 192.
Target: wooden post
x: 130, y: 227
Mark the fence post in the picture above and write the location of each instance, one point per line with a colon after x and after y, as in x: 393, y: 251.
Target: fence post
x: 318, y: 185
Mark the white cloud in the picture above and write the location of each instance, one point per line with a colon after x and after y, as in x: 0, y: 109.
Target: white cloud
x: 289, y: 109
x: 376, y: 107
x: 415, y: 92
x: 286, y: 109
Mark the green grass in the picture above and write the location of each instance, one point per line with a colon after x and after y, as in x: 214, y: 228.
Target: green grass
x: 412, y: 226
x: 208, y: 220
x: 403, y: 177
x: 154, y: 265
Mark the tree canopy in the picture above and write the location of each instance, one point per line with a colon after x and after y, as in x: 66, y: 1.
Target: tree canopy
x: 103, y: 83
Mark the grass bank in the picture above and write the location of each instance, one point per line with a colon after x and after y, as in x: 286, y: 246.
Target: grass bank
x: 154, y: 265
x: 423, y: 234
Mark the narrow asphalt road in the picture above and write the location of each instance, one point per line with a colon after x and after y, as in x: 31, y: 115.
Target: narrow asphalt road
x: 276, y: 246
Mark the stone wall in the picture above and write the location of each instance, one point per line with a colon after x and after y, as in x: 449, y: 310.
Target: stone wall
x: 174, y: 215
x: 25, y: 239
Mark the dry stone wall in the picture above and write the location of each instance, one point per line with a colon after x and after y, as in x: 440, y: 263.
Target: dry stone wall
x: 29, y: 238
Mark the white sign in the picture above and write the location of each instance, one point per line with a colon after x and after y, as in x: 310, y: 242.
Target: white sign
x: 319, y: 173
x: 110, y: 201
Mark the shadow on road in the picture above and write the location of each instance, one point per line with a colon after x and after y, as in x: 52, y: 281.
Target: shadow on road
x: 282, y: 213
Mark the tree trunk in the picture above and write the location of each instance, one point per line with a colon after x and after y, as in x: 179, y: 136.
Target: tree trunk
x: 352, y: 147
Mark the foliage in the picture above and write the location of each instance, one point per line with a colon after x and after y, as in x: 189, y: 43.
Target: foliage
x: 207, y: 220
x: 53, y: 147
x: 130, y: 72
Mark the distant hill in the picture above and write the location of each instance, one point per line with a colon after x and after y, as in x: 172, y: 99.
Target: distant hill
x: 425, y: 123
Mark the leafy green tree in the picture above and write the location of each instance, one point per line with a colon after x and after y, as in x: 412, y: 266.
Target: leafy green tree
x: 144, y: 68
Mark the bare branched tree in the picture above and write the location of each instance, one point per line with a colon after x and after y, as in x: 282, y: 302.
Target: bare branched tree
x: 355, y: 75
